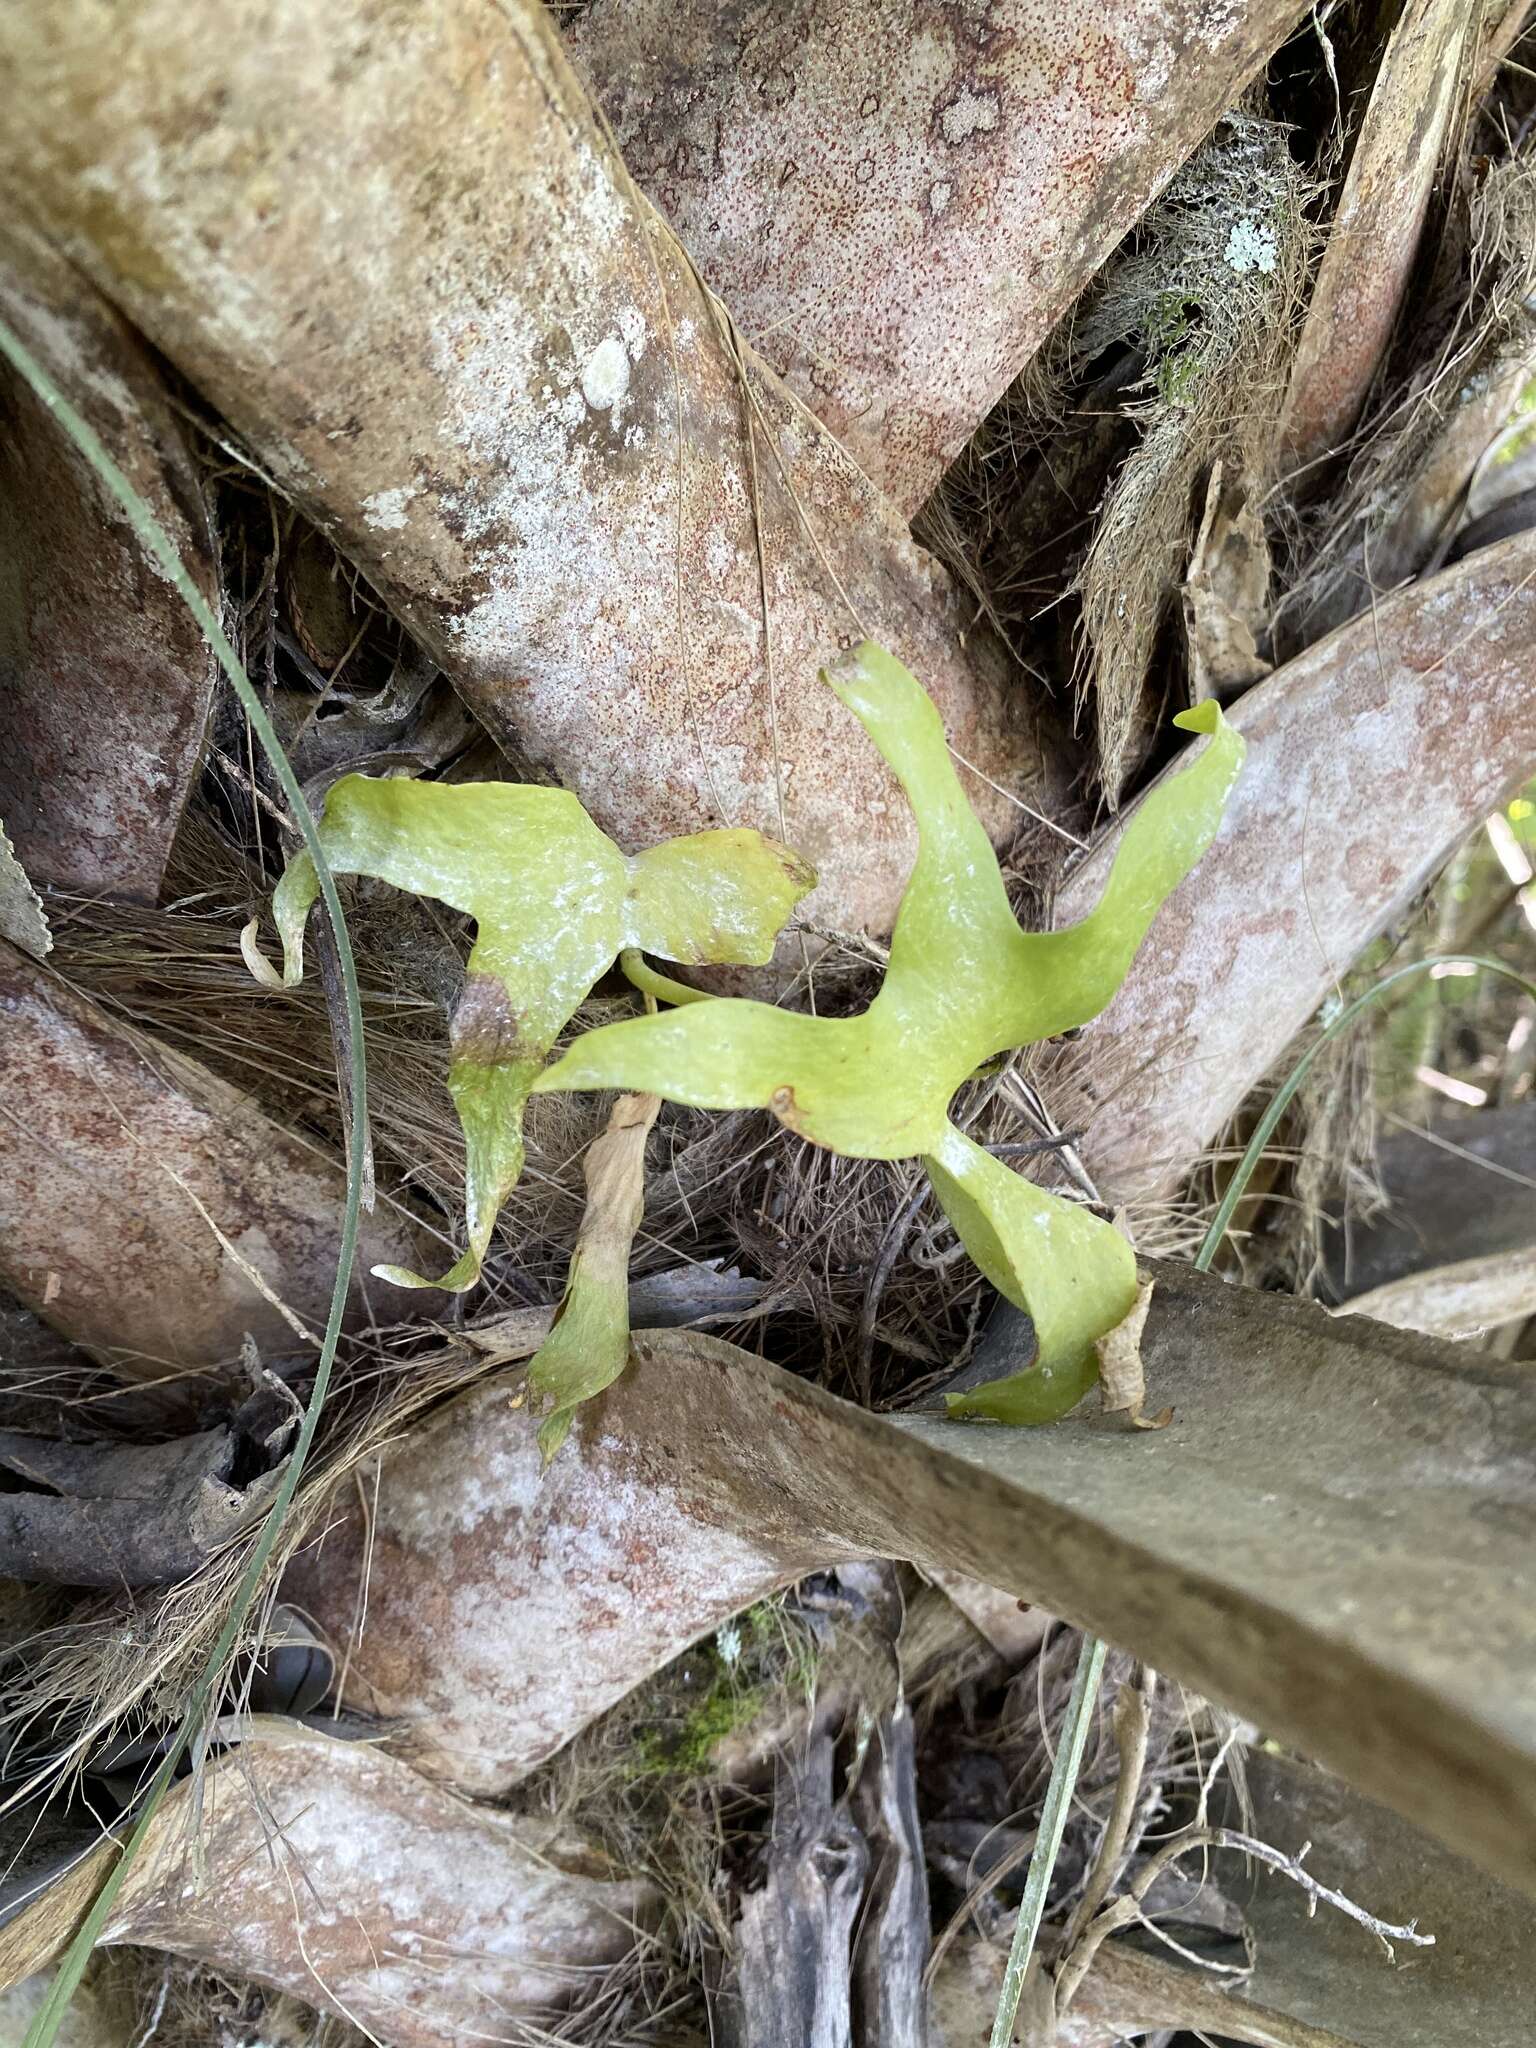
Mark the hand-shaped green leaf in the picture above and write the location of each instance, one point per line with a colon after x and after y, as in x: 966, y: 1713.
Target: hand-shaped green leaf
x: 554, y: 900
x: 964, y: 983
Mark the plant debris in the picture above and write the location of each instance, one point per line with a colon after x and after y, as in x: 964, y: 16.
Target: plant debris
x: 125, y: 1514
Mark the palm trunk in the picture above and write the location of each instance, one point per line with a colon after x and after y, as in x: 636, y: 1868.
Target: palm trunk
x: 404, y: 261
x: 898, y: 201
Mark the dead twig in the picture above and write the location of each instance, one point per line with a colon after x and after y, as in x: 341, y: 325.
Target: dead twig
x: 1132, y: 1724
x: 1127, y: 1908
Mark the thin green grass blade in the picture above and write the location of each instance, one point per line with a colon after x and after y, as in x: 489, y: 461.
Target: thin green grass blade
x: 1053, y: 1825
x: 1221, y: 1222
x: 45, y: 2026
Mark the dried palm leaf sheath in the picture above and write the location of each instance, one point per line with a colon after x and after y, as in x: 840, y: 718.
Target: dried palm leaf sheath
x: 105, y: 678
x: 1336, y: 1535
x: 1426, y: 506
x: 108, y: 1146
x: 404, y: 262
x: 1370, y: 757
x: 332, y: 1872
x: 898, y: 201
x: 1374, y: 237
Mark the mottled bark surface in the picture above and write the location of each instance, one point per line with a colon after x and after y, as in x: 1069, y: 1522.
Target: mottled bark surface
x: 1374, y: 238
x: 105, y: 680
x: 1336, y: 1536
x: 394, y: 248
x: 507, y: 1607
x: 104, y: 1142
x: 898, y: 200
x: 332, y: 1872
x: 1369, y: 758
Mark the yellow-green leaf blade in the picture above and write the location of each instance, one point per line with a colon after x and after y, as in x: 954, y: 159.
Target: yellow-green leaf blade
x: 721, y: 1053
x: 553, y: 901
x: 1059, y: 980
x: 955, y: 923
x: 1073, y: 1275
x: 714, y: 896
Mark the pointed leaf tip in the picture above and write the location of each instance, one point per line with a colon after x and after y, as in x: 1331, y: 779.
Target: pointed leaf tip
x: 1073, y: 1275
x: 1203, y: 717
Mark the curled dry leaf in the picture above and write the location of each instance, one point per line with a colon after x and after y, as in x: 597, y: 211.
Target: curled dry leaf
x: 963, y: 984
x: 554, y: 902
x: 1432, y: 694
x: 1122, y: 1381
x: 898, y: 200
x: 589, y: 1343
x: 523, y: 418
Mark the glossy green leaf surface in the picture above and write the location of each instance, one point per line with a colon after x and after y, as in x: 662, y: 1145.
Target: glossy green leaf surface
x: 964, y: 983
x: 554, y: 902
x: 1075, y: 1274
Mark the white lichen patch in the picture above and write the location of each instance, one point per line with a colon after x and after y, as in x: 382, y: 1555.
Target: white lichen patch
x: 969, y: 113
x: 605, y: 376
x: 419, y: 1511
x: 1251, y: 247
x: 386, y: 510
x: 593, y: 1553
x: 631, y: 326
